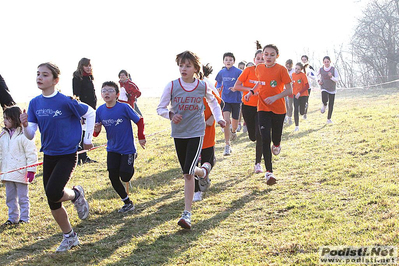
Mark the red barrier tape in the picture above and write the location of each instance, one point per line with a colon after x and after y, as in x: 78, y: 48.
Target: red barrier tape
x: 79, y: 152
x: 40, y: 163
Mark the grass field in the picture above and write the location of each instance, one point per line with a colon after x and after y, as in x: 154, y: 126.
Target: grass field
x: 336, y: 185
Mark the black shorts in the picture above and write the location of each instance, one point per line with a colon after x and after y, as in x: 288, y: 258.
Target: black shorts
x: 188, y: 151
x: 233, y: 108
x: 123, y: 162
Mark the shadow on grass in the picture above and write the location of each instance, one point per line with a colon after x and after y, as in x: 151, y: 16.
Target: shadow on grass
x: 126, y: 229
x: 301, y: 133
x: 154, y: 181
x: 173, y: 245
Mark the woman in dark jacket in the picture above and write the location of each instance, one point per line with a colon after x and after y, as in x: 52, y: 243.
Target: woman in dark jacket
x: 83, y: 89
x: 5, y: 96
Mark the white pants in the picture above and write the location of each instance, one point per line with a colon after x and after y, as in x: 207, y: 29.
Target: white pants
x: 17, y: 200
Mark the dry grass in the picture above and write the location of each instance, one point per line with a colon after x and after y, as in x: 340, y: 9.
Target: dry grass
x: 337, y: 185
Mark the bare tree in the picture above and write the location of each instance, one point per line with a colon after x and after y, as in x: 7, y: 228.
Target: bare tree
x: 344, y: 67
x: 376, y: 42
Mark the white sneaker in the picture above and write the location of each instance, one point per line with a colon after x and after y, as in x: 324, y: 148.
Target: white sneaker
x: 258, y: 168
x: 239, y: 127
x: 276, y: 150
x: 81, y: 204
x: 244, y: 129
x: 205, y: 182
x: 233, y: 136
x: 289, y: 121
x: 270, y: 179
x: 296, y: 128
x: 285, y: 120
x: 305, y: 116
x: 197, y: 196
x: 323, y: 108
x: 329, y: 121
x: 185, y: 220
x: 67, y: 243
x: 227, y: 150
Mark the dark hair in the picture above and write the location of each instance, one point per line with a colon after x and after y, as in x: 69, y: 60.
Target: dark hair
x: 300, y: 65
x: 258, y: 48
x: 79, y: 70
x: 271, y: 46
x: 242, y: 63
x: 123, y: 72
x: 207, y: 69
x: 12, y: 113
x: 327, y: 57
x: 289, y: 61
x: 111, y: 84
x: 53, y: 68
x: 250, y: 64
x: 192, y: 57
x: 307, y: 58
x: 258, y: 45
x: 230, y: 55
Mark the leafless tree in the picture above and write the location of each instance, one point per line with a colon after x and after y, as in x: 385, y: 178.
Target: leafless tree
x: 376, y: 42
x: 344, y: 65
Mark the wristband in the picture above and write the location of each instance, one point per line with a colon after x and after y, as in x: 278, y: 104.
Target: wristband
x: 252, y: 91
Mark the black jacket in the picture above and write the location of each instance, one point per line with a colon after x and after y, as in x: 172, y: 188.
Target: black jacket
x: 84, y: 89
x: 5, y: 96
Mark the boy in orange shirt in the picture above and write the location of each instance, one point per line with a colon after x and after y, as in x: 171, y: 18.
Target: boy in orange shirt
x: 272, y: 78
x: 300, y: 89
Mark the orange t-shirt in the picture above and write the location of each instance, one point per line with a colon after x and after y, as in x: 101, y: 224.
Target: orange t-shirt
x: 209, y: 137
x: 272, y: 81
x: 299, y: 82
x: 249, y: 79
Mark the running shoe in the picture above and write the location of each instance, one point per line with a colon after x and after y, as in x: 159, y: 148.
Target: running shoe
x: 205, y: 182
x: 276, y: 150
x: 128, y: 207
x: 258, y: 168
x: 81, y: 204
x: 227, y: 150
x: 8, y: 222
x: 329, y: 121
x: 197, y: 196
x: 67, y: 243
x: 233, y: 136
x: 185, y: 220
x: 270, y: 179
x: 323, y: 108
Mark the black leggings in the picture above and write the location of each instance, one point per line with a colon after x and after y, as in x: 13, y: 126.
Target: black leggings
x: 57, y: 171
x: 271, y: 128
x: 330, y: 98
x: 299, y: 107
x: 250, y: 115
x: 207, y: 156
x: 120, y: 168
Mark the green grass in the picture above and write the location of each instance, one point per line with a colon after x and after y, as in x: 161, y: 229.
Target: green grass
x: 337, y: 185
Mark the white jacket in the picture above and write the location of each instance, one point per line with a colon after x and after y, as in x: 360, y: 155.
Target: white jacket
x: 16, y: 152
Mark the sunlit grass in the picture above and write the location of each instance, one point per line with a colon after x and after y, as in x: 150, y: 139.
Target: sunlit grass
x: 337, y: 185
